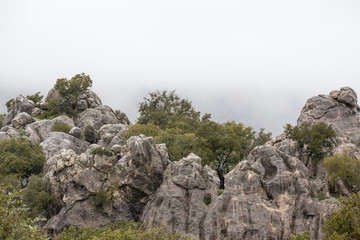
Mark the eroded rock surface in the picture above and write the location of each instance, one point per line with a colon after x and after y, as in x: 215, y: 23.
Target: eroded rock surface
x: 129, y: 182
x: 20, y: 104
x: 181, y: 202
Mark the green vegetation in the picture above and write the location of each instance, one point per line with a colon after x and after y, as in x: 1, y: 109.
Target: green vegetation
x: 14, y: 223
x: 304, y: 236
x: 22, y: 132
x: 313, y: 137
x: 101, y: 199
x: 35, y: 98
x: 8, y: 103
x: 36, y: 198
x: 344, y: 223
x: 173, y: 121
x: 343, y: 166
x: 102, y: 152
x: 61, y: 127
x: 120, y: 231
x: 69, y: 91
x: 220, y: 192
x: 2, y: 116
x: 20, y: 157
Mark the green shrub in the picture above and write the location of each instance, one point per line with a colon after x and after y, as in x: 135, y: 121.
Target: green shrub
x: 315, y: 137
x: 102, y: 152
x: 22, y: 132
x: 220, y: 192
x: 20, y: 157
x: 35, y: 196
x: 344, y: 223
x: 2, y: 116
x: 61, y: 127
x: 35, y: 98
x: 304, y: 236
x: 14, y: 223
x: 120, y: 231
x: 8, y: 103
x: 148, y: 129
x: 343, y: 166
x: 101, y: 199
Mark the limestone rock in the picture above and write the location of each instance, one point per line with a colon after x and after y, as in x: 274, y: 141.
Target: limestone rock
x: 123, y: 118
x: 57, y: 141
x: 341, y: 114
x: 21, y: 104
x: 182, y: 201
x: 81, y: 105
x: 36, y: 112
x: 21, y: 120
x: 111, y: 134
x: 52, y: 95
x: 40, y: 130
x: 92, y: 119
x: 76, y: 132
x: 75, y: 180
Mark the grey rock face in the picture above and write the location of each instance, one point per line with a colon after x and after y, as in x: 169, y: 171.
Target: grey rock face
x: 76, y: 132
x: 21, y: 120
x: 21, y: 104
x: 76, y: 180
x: 52, y: 95
x: 182, y: 201
x: 341, y: 112
x: 111, y: 134
x: 57, y: 141
x: 40, y: 130
x: 123, y: 118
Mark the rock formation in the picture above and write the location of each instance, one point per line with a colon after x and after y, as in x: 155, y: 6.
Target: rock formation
x: 275, y: 192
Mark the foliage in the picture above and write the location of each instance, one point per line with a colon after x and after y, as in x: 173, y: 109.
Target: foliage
x: 35, y: 98
x: 36, y: 198
x: 13, y: 221
x: 162, y: 107
x: 61, y: 127
x: 120, y: 231
x: 315, y: 137
x: 344, y: 223
x: 220, y: 192
x: 8, y: 103
x: 148, y: 129
x: 101, y: 199
x: 343, y: 166
x: 102, y: 151
x: 2, y: 116
x: 22, y: 132
x: 304, y: 236
x: 18, y: 156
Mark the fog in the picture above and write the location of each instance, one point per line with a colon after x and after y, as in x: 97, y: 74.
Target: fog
x: 255, y: 62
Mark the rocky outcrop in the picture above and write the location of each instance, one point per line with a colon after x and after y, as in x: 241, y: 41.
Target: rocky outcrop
x: 39, y: 131
x: 21, y: 120
x: 57, y: 141
x: 92, y: 119
x: 181, y: 202
x: 20, y: 104
x: 340, y: 109
x: 111, y: 134
x: 95, y: 190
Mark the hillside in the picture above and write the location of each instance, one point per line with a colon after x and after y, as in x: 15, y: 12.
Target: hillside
x: 96, y: 176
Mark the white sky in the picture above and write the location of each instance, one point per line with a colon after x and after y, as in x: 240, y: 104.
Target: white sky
x: 252, y: 61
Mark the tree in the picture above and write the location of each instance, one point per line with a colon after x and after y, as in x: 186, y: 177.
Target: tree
x: 35, y: 97
x: 71, y: 89
x: 344, y: 224
x: 14, y: 223
x: 315, y: 137
x: 344, y: 167
x: 164, y: 107
x: 20, y: 157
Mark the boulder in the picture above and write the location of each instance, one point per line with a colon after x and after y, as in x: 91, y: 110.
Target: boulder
x: 81, y: 105
x: 92, y: 119
x: 57, y: 141
x: 36, y: 112
x: 21, y: 120
x: 40, y: 130
x: 183, y: 199
x: 53, y: 95
x: 123, y: 118
x: 21, y: 104
x: 111, y: 134
x: 129, y: 182
x: 76, y: 132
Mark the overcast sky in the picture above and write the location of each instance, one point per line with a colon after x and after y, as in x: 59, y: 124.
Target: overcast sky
x: 252, y: 61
